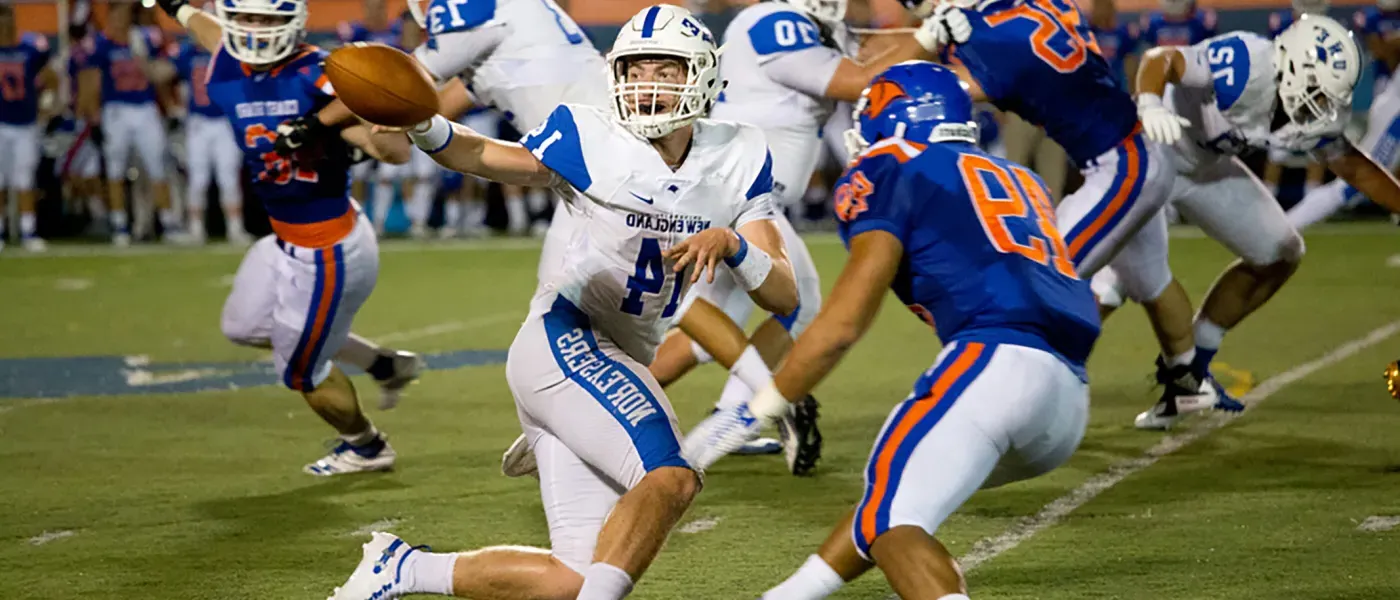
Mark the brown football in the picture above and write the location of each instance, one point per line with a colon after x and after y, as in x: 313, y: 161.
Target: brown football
x: 382, y: 85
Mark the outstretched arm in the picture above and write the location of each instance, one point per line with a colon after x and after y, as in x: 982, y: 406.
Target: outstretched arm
x: 459, y: 148
x: 844, y: 318
x: 1362, y: 172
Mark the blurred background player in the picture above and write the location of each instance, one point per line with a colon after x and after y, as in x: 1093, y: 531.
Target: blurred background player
x: 374, y: 28
x: 1118, y: 42
x: 1008, y: 397
x: 211, y: 151
x: 115, y: 90
x: 80, y: 165
x: 786, y: 65
x: 1177, y: 23
x: 464, y: 208
x: 1379, y: 27
x: 297, y: 291
x: 24, y: 75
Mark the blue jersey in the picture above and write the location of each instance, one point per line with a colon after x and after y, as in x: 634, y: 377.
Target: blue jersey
x: 307, y: 199
x: 124, y: 77
x: 1116, y: 45
x: 982, y: 259
x: 1374, y: 21
x: 1057, y: 81
x: 20, y: 66
x: 1162, y: 30
x: 355, y: 31
x: 192, y: 66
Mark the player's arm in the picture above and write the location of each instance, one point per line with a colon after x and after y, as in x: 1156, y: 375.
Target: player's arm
x: 461, y: 149
x: 384, y: 146
x: 1161, y: 66
x: 453, y: 99
x: 755, y: 255
x: 89, y: 102
x: 1364, y: 174
x: 203, y: 27
x: 844, y: 318
x: 852, y: 77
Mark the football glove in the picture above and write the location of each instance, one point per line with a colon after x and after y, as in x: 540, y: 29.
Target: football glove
x: 948, y: 24
x: 295, y: 134
x: 1159, y: 122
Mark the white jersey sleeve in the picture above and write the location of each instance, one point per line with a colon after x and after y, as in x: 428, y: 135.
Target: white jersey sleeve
x: 758, y: 200
x: 1237, y: 67
x: 558, y: 144
x: 454, y: 53
x: 790, y: 52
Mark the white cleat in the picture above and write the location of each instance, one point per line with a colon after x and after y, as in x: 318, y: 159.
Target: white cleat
x: 407, y: 368
x: 238, y: 237
x: 378, y: 575
x: 724, y: 431
x: 343, y: 460
x: 183, y: 238
x: 519, y: 459
x: 121, y: 240
x: 35, y: 244
x: 1170, y: 410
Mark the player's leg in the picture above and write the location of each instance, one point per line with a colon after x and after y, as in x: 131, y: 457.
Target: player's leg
x: 228, y: 167
x: 199, y: 171
x: 318, y: 293
x: 361, y: 173
x: 418, y: 192
x: 1236, y: 210
x: 151, y: 144
x: 8, y: 167
x: 385, y: 176
x: 246, y: 319
x: 517, y: 214
x: 116, y: 153
x: 392, y: 370
x: 1122, y: 190
x: 1382, y: 143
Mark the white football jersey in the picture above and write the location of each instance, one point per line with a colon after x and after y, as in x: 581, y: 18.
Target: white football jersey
x: 1229, y: 93
x: 629, y: 207
x: 522, y: 56
x: 777, y: 67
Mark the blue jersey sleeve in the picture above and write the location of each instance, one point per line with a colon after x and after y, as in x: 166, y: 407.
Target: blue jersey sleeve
x: 309, y: 69
x: 96, y: 55
x: 1229, y: 69
x: 871, y: 196
x: 447, y: 16
x: 763, y: 183
x: 781, y: 32
x: 556, y: 144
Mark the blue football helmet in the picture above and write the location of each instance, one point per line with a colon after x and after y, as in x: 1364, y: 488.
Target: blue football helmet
x: 917, y: 101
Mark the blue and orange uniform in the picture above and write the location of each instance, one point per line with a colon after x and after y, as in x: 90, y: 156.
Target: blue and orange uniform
x: 1116, y: 45
x: 1062, y: 83
x: 124, y: 79
x: 191, y: 63
x: 317, y: 227
x: 1160, y: 29
x: 131, y: 119
x: 1385, y: 24
x: 1279, y: 20
x: 983, y: 264
x: 20, y: 66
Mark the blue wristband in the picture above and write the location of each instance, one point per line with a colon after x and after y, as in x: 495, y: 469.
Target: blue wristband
x: 733, y: 261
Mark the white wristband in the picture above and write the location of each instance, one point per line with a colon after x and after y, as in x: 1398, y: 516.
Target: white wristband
x: 1146, y: 100
x: 750, y: 265
x: 184, y: 13
x: 433, y: 135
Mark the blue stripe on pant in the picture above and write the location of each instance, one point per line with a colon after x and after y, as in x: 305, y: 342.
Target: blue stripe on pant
x: 934, y: 394
x: 616, y: 388
x: 1096, y: 225
x: 330, y: 284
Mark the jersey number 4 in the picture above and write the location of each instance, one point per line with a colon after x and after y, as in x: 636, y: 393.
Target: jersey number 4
x: 1060, y: 38
x: 649, y: 279
x: 1015, y: 212
x: 276, y: 169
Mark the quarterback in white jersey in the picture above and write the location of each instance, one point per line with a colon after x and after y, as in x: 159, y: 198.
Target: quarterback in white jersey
x: 1212, y: 101
x: 660, y: 196
x: 786, y: 65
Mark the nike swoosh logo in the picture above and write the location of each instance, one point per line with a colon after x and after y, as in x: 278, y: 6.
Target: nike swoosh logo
x: 646, y: 200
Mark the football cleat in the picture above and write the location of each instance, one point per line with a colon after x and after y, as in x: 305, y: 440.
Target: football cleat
x: 344, y: 458
x: 379, y: 574
x: 34, y: 244
x: 1392, y: 379
x: 802, y: 440
x: 407, y: 368
x: 519, y: 459
x: 1183, y: 395
x: 760, y: 446
x: 723, y: 432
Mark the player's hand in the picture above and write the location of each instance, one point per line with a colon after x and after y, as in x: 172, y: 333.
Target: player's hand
x: 297, y: 133
x: 948, y: 24
x: 1159, y: 122
x: 704, y: 250
x: 171, y: 7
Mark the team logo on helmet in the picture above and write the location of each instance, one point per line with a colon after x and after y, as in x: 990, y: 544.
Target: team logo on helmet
x: 880, y: 95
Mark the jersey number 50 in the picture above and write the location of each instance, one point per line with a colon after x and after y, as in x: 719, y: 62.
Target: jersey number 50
x: 1013, y: 206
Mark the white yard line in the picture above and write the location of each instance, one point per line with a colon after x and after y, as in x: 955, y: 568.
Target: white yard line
x: 446, y: 327
x: 50, y: 536
x: 699, y: 525
x: 1052, y: 513
x: 1377, y: 524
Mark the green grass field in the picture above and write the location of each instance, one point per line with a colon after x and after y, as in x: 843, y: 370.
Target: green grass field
x: 139, y: 457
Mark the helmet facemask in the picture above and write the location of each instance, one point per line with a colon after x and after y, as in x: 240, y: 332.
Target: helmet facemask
x: 657, y: 92
x: 262, y: 32
x: 1317, y: 64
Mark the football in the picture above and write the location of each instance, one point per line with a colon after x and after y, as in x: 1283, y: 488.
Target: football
x: 382, y: 84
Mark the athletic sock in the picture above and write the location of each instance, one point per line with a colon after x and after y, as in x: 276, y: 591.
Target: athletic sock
x: 603, y: 581
x: 751, y: 369
x: 27, y: 225
x: 428, y: 572
x: 814, y: 581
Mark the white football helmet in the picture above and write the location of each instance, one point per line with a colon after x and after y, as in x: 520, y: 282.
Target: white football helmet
x: 666, y: 31
x: 831, y: 11
x: 262, y: 44
x: 1318, y: 66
